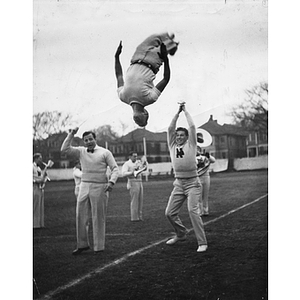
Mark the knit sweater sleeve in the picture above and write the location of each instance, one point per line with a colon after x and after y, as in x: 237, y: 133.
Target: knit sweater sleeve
x: 171, y: 134
x: 68, y: 149
x: 192, y: 129
x: 113, y: 167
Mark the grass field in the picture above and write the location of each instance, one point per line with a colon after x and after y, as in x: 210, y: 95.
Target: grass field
x: 137, y: 264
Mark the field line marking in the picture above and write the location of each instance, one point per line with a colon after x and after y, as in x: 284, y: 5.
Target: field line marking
x: 234, y: 210
x: 126, y: 256
x: 100, y: 270
x: 71, y: 236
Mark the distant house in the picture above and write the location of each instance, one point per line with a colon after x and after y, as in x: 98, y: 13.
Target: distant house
x: 50, y: 149
x: 229, y: 141
x: 144, y: 142
x: 155, y: 145
x: 257, y: 141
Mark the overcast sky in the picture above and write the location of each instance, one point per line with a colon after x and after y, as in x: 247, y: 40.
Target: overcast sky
x: 223, y: 50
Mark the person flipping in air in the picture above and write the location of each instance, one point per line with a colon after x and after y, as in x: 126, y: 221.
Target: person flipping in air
x: 137, y: 89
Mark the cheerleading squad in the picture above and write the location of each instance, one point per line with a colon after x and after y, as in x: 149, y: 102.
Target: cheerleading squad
x: 92, y: 182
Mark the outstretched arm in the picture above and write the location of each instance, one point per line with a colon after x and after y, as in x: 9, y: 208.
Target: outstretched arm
x: 192, y: 127
x: 167, y: 72
x: 118, y: 67
x: 172, y: 127
x: 175, y: 118
x: 66, y: 145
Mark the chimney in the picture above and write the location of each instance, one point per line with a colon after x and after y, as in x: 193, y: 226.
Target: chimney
x: 211, y: 119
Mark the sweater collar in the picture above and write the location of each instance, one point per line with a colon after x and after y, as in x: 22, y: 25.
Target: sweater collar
x: 96, y: 147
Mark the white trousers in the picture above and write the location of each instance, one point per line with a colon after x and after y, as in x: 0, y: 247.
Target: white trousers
x: 137, y: 199
x: 38, y: 207
x: 186, y: 189
x: 205, y: 182
x: 76, y: 191
x: 91, y: 202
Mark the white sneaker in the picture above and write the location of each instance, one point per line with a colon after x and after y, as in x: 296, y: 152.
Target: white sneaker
x: 202, y: 248
x: 175, y: 240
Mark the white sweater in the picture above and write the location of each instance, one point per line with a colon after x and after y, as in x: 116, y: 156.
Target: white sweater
x: 94, y: 165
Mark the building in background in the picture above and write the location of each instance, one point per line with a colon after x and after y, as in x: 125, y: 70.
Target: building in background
x: 257, y: 142
x: 50, y: 149
x: 229, y: 142
x: 143, y: 142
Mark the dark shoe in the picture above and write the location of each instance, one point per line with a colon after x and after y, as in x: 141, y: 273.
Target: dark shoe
x: 173, y: 50
x: 80, y: 250
x: 98, y: 252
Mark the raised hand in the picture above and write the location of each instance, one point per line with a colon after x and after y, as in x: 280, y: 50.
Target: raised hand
x: 181, y: 106
x: 119, y: 49
x: 74, y: 131
x: 163, y: 52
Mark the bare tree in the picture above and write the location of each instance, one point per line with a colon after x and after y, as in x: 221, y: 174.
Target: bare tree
x: 105, y: 133
x: 124, y: 126
x: 47, y: 123
x: 253, y: 112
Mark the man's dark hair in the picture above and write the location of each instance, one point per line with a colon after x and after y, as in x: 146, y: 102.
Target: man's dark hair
x: 132, y: 152
x: 141, y: 117
x: 183, y: 129
x: 89, y: 132
x: 36, y: 156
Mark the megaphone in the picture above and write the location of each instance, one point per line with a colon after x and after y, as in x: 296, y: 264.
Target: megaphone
x: 204, y: 139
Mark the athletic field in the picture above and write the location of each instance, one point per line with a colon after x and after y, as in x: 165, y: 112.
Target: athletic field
x: 137, y: 264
